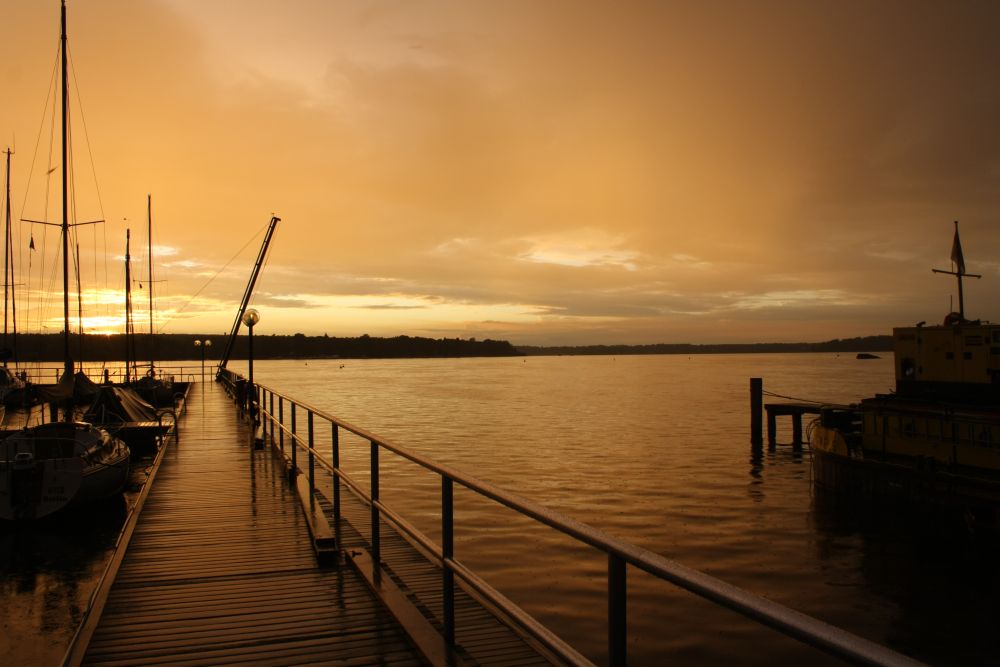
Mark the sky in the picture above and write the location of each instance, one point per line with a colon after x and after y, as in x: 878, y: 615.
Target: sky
x: 546, y: 172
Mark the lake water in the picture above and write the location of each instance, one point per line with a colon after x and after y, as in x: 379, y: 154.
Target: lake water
x: 651, y: 449
x: 655, y: 450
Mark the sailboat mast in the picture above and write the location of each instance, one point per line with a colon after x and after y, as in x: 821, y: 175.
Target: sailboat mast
x: 79, y: 306
x: 149, y: 219
x: 6, y: 257
x: 9, y: 282
x: 129, y: 333
x: 65, y: 189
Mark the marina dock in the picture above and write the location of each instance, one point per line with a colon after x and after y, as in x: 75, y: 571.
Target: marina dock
x: 219, y: 568
x: 258, y: 547
x: 788, y: 407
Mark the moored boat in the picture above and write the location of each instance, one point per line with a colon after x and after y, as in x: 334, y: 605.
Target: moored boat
x: 49, y: 467
x: 936, y: 439
x: 54, y: 466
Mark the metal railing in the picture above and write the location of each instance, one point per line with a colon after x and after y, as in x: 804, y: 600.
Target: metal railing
x: 50, y: 374
x: 260, y: 402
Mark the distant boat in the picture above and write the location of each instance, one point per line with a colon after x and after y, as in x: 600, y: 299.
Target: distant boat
x: 867, y: 355
x: 53, y: 466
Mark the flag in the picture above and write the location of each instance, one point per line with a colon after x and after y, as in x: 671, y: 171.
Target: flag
x: 31, y: 246
x: 956, y: 253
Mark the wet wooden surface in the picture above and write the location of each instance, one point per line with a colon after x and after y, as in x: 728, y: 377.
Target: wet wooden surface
x: 481, y: 639
x: 220, y: 569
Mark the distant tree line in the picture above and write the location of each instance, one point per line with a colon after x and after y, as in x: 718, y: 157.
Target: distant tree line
x: 175, y: 347
x: 863, y: 344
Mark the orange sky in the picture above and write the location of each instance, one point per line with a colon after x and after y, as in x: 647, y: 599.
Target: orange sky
x: 551, y: 172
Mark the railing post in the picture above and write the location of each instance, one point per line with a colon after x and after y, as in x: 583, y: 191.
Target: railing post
x: 261, y: 411
x: 448, y: 552
x: 295, y: 446
x: 617, y: 605
x: 270, y: 411
x: 312, y: 455
x: 335, y: 446
x: 281, y: 420
x: 376, y: 538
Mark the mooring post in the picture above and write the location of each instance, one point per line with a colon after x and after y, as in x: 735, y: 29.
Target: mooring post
x: 756, y: 412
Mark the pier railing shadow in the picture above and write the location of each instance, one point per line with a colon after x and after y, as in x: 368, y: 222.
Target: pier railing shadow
x: 281, y: 418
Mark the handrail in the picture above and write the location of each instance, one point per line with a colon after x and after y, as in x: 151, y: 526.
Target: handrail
x: 797, y: 625
x: 44, y: 374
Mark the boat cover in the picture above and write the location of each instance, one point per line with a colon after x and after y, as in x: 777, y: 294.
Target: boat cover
x: 119, y: 404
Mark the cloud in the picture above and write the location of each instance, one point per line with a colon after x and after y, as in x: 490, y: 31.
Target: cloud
x: 558, y: 171
x: 389, y: 306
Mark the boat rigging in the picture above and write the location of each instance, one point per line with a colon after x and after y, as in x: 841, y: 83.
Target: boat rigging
x: 48, y: 467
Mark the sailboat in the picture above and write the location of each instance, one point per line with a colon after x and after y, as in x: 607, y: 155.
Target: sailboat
x: 120, y: 408
x: 50, y: 467
x: 161, y: 392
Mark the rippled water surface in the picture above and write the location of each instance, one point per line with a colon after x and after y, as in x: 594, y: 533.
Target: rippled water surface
x: 655, y: 450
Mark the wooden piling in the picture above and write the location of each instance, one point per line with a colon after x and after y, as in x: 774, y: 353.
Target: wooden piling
x: 756, y: 412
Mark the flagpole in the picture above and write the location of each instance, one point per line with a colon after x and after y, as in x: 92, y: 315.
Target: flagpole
x: 958, y: 266
x: 961, y: 298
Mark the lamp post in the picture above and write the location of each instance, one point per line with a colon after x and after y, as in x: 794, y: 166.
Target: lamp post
x: 250, y: 318
x: 203, y: 346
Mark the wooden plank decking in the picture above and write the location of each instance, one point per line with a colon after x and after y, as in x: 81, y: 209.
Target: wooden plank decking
x: 220, y: 568
x: 480, y: 638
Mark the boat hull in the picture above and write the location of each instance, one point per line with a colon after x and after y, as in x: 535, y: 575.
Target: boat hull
x: 42, y: 472
x: 917, y: 482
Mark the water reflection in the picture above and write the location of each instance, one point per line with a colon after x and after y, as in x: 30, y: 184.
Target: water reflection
x: 51, y: 568
x: 930, y: 581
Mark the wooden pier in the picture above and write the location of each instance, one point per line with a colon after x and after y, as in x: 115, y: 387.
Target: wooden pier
x: 219, y: 568
x: 793, y: 410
